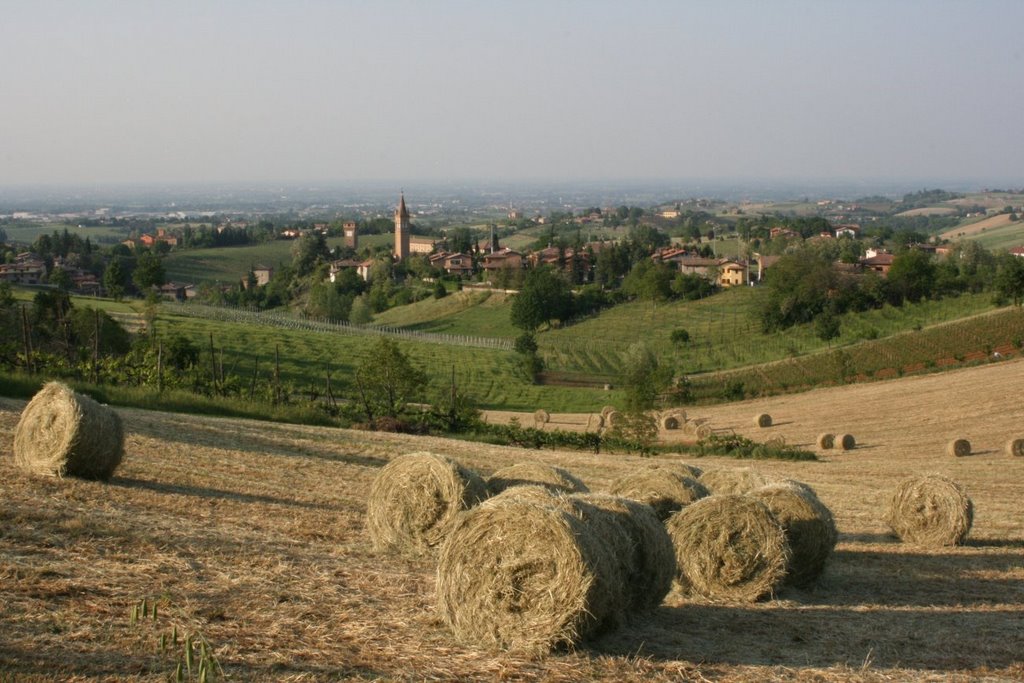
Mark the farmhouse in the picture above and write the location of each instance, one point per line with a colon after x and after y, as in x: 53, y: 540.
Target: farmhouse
x: 1017, y: 251
x: 505, y: 258
x: 27, y: 269
x: 453, y: 264
x: 880, y: 263
x: 732, y: 272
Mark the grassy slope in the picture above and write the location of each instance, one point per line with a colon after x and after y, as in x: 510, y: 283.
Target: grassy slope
x: 27, y: 233
x: 228, y: 264
x: 475, y: 313
x: 254, y: 534
x: 490, y: 376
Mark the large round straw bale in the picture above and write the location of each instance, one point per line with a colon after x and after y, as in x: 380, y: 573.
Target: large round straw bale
x: 826, y: 441
x: 931, y: 510
x: 669, y: 422
x: 607, y: 410
x: 416, y: 498
x: 959, y: 448
x: 679, y: 467
x: 703, y: 431
x: 732, y: 480
x: 535, y: 473
x: 763, y: 420
x: 611, y: 418
x: 664, y: 489
x: 649, y: 564
x: 810, y: 529
x: 541, y: 416
x: 64, y: 433
x: 729, y: 548
x: 1015, y: 447
x: 847, y: 442
x: 527, y: 576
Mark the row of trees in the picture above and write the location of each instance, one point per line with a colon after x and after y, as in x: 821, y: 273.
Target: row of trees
x: 806, y: 285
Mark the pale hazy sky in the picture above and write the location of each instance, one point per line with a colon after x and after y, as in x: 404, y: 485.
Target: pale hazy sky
x: 99, y: 91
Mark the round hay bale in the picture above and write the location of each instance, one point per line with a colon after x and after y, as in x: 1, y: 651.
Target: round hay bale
x: 606, y: 411
x: 729, y: 548
x: 1015, y: 447
x: 801, y: 486
x: 684, y: 469
x: 415, y: 501
x: 826, y: 441
x: 776, y: 441
x: 611, y: 418
x: 809, y: 526
x: 763, y: 420
x: 959, y: 448
x: 536, y: 474
x: 526, y: 576
x: 703, y: 431
x: 733, y: 480
x: 930, y: 510
x: 65, y: 433
x: 542, y: 417
x: 649, y: 564
x: 595, y: 422
x: 847, y: 442
x: 670, y: 422
x: 665, y: 490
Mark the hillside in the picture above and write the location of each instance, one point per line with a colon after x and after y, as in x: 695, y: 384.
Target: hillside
x: 252, y: 534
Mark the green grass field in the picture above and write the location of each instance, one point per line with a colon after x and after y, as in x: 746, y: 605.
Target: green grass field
x: 27, y: 233
x: 474, y: 313
x: 1001, y: 238
x: 229, y: 264
x: 491, y: 377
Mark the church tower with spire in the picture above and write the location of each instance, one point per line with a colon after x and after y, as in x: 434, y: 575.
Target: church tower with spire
x: 401, y: 230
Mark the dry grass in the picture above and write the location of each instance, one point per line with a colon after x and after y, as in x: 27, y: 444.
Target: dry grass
x: 256, y: 533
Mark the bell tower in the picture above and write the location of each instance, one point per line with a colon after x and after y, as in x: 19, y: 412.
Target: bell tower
x: 401, y: 230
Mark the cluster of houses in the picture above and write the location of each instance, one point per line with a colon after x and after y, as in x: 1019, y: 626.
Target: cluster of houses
x: 29, y: 269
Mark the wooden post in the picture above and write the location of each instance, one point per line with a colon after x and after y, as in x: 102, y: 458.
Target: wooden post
x: 27, y: 338
x: 159, y: 367
x: 213, y: 364
x: 96, y: 348
x: 277, y: 373
x: 330, y: 394
x: 255, y: 372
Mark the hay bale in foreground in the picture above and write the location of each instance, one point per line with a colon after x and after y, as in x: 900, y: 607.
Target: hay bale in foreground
x: 1015, y: 447
x: 535, y: 474
x: 931, y: 510
x: 729, y: 548
x: 649, y: 564
x: 664, y: 489
x: 826, y: 441
x: 763, y: 420
x: 65, y: 433
x: 847, y: 442
x: 607, y: 410
x: 959, y: 448
x: 734, y: 480
x: 679, y: 467
x: 809, y: 526
x: 415, y: 500
x: 541, y: 417
x: 523, y: 575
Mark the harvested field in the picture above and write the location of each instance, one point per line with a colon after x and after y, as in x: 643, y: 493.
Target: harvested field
x: 253, y: 534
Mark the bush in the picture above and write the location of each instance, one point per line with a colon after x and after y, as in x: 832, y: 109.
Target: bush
x: 680, y: 337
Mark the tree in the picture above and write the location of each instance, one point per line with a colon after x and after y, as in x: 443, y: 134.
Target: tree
x: 911, y: 276
x: 360, y: 313
x: 1009, y: 280
x: 545, y: 297
x: 642, y: 377
x: 327, y: 300
x: 115, y: 278
x: 149, y: 271
x: 827, y: 326
x: 60, y: 278
x: 310, y: 249
x: 387, y: 380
